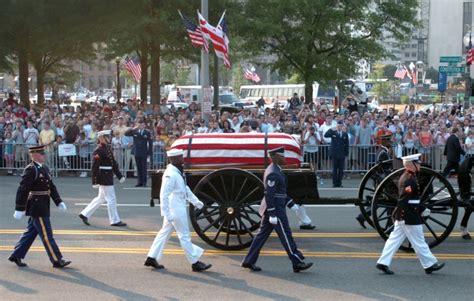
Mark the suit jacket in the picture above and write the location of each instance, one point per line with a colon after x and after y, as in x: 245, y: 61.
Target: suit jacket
x: 142, y: 142
x: 453, y: 149
x: 339, y: 148
x: 104, y: 157
x: 36, y: 178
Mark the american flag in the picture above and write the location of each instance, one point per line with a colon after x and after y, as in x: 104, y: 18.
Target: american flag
x: 219, y: 39
x: 470, y: 53
x: 413, y: 76
x: 134, y: 67
x: 194, y: 33
x: 409, y: 75
x: 401, y: 72
x: 250, y: 75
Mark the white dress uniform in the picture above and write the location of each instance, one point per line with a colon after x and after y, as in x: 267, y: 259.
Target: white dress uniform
x: 174, y: 195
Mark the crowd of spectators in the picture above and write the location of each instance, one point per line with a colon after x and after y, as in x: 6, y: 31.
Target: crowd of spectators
x: 56, y: 124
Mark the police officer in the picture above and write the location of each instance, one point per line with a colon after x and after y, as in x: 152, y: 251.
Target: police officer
x: 338, y: 150
x: 408, y: 217
x: 143, y: 148
x: 33, y: 199
x: 174, y: 196
x: 104, y: 167
x: 273, y: 212
x: 384, y: 153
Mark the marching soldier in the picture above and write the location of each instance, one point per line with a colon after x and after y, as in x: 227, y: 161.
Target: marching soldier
x: 33, y: 200
x: 273, y: 212
x: 174, y: 195
x: 408, y: 217
x: 104, y: 167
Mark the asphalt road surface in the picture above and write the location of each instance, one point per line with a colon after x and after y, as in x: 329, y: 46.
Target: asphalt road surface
x: 107, y: 263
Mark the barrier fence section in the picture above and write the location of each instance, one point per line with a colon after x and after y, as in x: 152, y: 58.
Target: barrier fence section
x: 77, y: 158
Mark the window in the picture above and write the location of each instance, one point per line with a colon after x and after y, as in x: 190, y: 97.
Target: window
x: 413, y: 54
x: 406, y: 54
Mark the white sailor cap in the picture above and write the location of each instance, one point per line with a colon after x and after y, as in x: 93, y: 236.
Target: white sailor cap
x: 174, y: 152
x: 104, y: 133
x: 415, y: 157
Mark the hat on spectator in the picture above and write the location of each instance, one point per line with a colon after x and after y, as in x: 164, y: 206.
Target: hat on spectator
x: 277, y: 151
x: 174, y: 152
x: 36, y: 149
x: 340, y: 122
x: 396, y: 117
x: 410, y: 158
x: 104, y: 133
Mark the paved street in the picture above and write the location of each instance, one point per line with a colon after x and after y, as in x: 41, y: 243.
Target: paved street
x: 107, y: 263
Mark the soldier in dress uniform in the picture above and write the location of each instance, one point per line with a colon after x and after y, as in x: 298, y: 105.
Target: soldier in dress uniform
x: 384, y: 153
x: 174, y: 196
x: 143, y: 149
x: 273, y: 212
x: 408, y: 217
x: 104, y: 167
x: 33, y: 200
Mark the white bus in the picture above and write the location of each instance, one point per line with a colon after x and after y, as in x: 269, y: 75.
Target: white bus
x: 274, y: 93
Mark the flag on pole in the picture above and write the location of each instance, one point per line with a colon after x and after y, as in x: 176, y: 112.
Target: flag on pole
x: 194, y: 33
x: 414, y: 77
x: 222, y: 25
x: 251, y: 75
x: 408, y: 73
x: 470, y: 53
x: 217, y: 37
x: 401, y: 72
x: 134, y: 67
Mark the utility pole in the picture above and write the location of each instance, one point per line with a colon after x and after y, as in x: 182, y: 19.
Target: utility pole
x: 204, y: 64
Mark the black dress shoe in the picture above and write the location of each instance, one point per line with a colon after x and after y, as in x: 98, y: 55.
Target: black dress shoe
x: 361, y: 221
x: 466, y: 236
x: 307, y: 227
x: 384, y: 269
x: 251, y: 267
x: 84, y: 219
x: 301, y: 266
x: 61, y: 263
x: 200, y: 266
x: 434, y: 267
x: 17, y: 261
x: 151, y: 262
x: 119, y: 224
x: 138, y: 185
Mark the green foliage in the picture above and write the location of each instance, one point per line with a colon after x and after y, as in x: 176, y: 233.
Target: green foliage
x: 389, y: 71
x: 380, y: 88
x: 404, y: 99
x: 432, y: 74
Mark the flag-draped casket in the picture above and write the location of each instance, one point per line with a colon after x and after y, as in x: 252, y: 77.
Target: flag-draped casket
x: 239, y: 149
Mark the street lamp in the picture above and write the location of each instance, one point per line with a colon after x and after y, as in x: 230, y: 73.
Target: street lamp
x: 118, y: 86
x: 467, y: 40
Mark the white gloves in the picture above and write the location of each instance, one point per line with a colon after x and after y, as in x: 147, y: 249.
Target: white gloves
x: 62, y: 206
x: 426, y: 212
x: 273, y: 220
x: 122, y: 180
x: 199, y: 204
x: 18, y: 214
x: 96, y: 186
x: 295, y: 207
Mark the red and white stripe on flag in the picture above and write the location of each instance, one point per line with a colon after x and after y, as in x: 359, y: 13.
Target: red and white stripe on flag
x: 413, y: 77
x: 400, y: 73
x: 218, y: 37
x: 239, y: 149
x: 134, y: 67
x: 470, y: 56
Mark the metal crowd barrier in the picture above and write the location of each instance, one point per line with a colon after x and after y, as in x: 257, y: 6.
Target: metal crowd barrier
x: 14, y: 157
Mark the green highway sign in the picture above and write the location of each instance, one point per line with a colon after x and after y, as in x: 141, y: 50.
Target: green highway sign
x: 451, y: 69
x: 450, y: 59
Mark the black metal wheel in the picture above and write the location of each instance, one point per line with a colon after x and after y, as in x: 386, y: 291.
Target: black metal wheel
x: 437, y: 194
x: 229, y: 216
x: 369, y: 184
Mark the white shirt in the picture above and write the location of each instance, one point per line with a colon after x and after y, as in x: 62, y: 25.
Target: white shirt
x: 469, y: 146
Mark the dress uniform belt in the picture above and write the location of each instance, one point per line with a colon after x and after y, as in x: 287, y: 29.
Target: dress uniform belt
x: 45, y: 192
x: 105, y: 167
x: 280, y: 195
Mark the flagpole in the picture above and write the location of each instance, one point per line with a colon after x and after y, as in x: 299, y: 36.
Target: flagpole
x: 220, y: 20
x: 204, y: 54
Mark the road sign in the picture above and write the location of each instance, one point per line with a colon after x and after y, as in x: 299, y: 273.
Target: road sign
x: 451, y: 69
x: 450, y: 59
x: 207, y: 100
x: 442, y: 81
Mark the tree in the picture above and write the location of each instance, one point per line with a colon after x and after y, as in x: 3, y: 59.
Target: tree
x: 389, y: 72
x: 381, y: 88
x: 432, y: 74
x: 322, y: 40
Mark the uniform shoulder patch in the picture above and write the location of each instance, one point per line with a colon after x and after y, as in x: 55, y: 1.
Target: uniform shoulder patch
x: 96, y: 157
x: 270, y: 183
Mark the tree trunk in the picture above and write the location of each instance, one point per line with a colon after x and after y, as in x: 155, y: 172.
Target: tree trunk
x: 40, y: 75
x: 308, y: 91
x: 144, y: 79
x: 215, y: 81
x: 155, y: 75
x: 23, y: 76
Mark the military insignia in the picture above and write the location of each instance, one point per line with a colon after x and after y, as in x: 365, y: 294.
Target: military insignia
x: 270, y: 183
x: 408, y: 189
x: 96, y: 157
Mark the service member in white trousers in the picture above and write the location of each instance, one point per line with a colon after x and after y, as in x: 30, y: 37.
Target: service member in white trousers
x: 174, y: 195
x: 104, y: 167
x: 409, y: 221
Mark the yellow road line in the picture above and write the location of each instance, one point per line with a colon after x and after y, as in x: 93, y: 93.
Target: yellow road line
x: 270, y: 253
x: 153, y: 233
